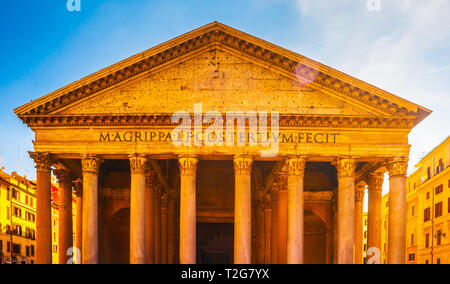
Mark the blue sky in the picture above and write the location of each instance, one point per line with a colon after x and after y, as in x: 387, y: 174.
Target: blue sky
x: 403, y: 48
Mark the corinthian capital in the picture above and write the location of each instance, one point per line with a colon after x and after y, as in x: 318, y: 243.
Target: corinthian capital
x: 398, y: 167
x: 138, y: 164
x: 360, y: 191
x: 78, y: 187
x: 188, y: 165
x: 64, y: 175
x: 43, y: 161
x: 345, y: 167
x: 375, y: 182
x: 91, y: 163
x: 296, y: 166
x: 242, y: 165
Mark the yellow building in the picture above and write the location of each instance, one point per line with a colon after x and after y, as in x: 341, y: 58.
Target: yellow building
x: 18, y: 211
x: 365, y: 232
x: 17, y: 219
x: 428, y: 239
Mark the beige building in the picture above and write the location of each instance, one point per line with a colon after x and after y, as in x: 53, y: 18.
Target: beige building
x: 219, y: 147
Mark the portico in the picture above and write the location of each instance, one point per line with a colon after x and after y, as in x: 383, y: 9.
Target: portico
x: 152, y: 195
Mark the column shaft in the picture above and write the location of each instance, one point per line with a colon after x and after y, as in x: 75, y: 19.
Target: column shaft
x: 282, y: 225
x: 137, y: 210
x: 375, y: 216
x: 242, y: 210
x: 171, y: 228
x: 397, y: 212
x: 164, y: 230
x: 65, y: 214
x: 260, y: 232
x: 267, y: 228
x: 89, y: 253
x: 275, y: 232
x: 149, y: 218
x: 359, y: 223
x: 188, y: 210
x: 346, y: 210
x: 43, y: 207
x: 157, y: 226
x: 295, y: 233
x: 79, y: 219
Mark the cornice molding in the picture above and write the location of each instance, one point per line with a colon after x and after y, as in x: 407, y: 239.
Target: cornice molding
x: 164, y: 120
x: 212, y: 36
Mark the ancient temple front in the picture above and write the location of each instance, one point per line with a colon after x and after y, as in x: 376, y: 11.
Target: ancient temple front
x: 219, y: 147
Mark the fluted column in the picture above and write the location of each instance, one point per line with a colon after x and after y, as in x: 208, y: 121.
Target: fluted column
x: 137, y: 210
x: 242, y: 210
x: 149, y: 217
x: 346, y: 210
x: 274, y: 221
x: 375, y: 216
x: 188, y: 210
x: 295, y: 233
x: 43, y: 162
x: 397, y: 211
x: 90, y: 166
x: 359, y: 222
x: 267, y: 227
x: 65, y: 180
x: 78, y: 185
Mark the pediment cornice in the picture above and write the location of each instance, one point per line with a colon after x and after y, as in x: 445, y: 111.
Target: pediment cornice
x: 216, y: 34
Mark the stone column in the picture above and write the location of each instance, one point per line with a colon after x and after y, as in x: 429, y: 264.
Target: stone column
x: 164, y: 230
x: 260, y: 227
x: 295, y: 218
x: 346, y: 210
x: 274, y: 221
x: 137, y: 209
x: 188, y: 210
x: 91, y: 166
x: 397, y: 211
x: 43, y: 162
x: 359, y: 222
x: 149, y: 216
x: 78, y: 185
x: 282, y: 220
x: 267, y: 227
x: 65, y: 180
x: 171, y: 227
x: 375, y: 216
x: 242, y: 210
x: 157, y: 225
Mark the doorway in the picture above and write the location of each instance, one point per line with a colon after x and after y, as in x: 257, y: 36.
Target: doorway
x: 215, y: 243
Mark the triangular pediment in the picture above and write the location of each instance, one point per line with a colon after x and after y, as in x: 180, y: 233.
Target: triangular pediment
x: 222, y: 67
x: 222, y: 82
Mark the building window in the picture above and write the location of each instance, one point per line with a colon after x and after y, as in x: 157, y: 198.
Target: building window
x: 365, y: 247
x: 427, y: 215
x: 16, y: 249
x: 413, y: 211
x: 438, y: 261
x: 32, y: 250
x: 412, y: 257
x: 8, y: 247
x: 27, y: 251
x: 428, y: 195
x: 427, y: 261
x: 439, y: 238
x: 427, y: 241
x: 429, y: 173
x: 438, y: 210
x: 412, y: 239
x: 439, y: 189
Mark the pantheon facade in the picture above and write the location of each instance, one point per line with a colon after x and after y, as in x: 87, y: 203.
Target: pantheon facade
x: 146, y: 196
